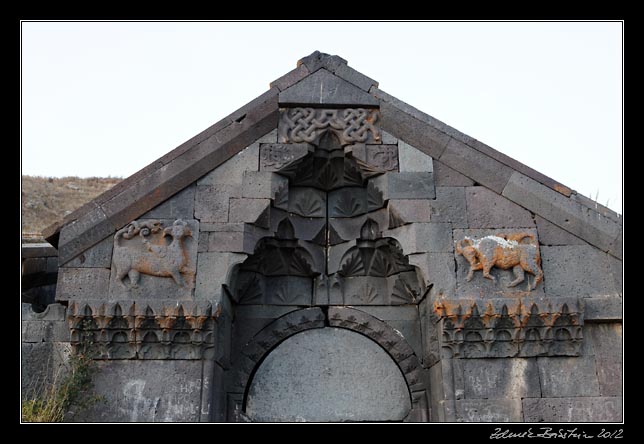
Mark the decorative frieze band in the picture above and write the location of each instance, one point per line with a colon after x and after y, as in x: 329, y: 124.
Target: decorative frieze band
x: 149, y: 330
x: 350, y: 125
x: 500, y: 328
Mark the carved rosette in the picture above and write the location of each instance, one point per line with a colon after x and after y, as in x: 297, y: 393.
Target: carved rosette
x: 499, y: 328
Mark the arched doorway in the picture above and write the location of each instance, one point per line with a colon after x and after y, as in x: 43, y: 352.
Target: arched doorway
x: 328, y: 374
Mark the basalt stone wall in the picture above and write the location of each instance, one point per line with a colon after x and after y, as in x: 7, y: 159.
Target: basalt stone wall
x: 343, y: 235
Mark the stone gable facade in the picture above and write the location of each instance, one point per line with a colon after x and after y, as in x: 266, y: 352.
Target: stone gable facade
x: 330, y: 253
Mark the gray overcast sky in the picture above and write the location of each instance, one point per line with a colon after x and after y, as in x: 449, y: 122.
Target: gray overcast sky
x: 103, y: 99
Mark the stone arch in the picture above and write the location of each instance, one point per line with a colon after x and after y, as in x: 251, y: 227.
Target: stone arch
x: 389, y: 339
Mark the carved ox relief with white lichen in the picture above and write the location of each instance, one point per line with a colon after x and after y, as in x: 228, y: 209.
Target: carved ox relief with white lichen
x: 147, y: 247
x: 504, y: 251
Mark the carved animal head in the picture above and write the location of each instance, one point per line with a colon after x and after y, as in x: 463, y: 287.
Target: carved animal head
x: 178, y: 230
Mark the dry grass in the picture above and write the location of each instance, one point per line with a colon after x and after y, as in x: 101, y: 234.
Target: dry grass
x: 46, y: 200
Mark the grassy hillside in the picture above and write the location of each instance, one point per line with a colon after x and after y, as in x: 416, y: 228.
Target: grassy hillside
x: 46, y: 200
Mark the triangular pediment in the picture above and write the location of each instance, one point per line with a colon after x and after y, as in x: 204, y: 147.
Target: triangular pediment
x: 327, y: 82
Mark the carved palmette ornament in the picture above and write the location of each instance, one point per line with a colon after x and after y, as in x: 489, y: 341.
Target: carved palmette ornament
x: 499, y: 328
x: 128, y: 330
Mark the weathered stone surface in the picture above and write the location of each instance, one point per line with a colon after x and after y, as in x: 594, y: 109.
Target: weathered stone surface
x: 45, y: 330
x: 276, y: 156
x: 375, y: 157
x: 476, y: 165
x: 563, y: 377
x: 92, y: 227
x: 445, y: 176
x: 589, y: 225
x: 409, y: 210
x: 41, y: 363
x: 160, y: 267
x: 262, y: 184
x: 501, y: 378
x: 413, y: 159
x: 486, y: 209
x: 388, y: 138
x: 449, y: 206
x: 233, y: 238
x: 132, y: 392
x: 324, y: 88
x: 591, y: 409
x: 577, y: 270
x: 98, y: 256
x: 405, y: 319
x: 339, y: 67
x: 603, y: 308
x: 423, y: 237
x: 404, y: 122
x: 409, y: 185
x: 253, y: 211
x: 179, y: 206
x: 213, y: 271
x: 212, y: 201
x: 596, y: 206
x: 481, y: 287
x: 488, y: 410
x: 550, y: 234
x: 607, y: 347
x: 290, y: 78
x: 339, y: 369
x: 231, y: 172
x: 439, y: 270
x: 347, y: 202
x: 82, y: 283
x: 617, y: 271
x: 40, y: 249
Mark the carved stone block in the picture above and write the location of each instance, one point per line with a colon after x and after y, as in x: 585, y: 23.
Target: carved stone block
x: 507, y: 266
x: 155, y: 259
x: 350, y: 125
x: 375, y: 158
x: 277, y: 156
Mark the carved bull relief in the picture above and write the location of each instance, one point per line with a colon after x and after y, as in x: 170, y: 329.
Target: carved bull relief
x: 516, y: 251
x: 153, y: 255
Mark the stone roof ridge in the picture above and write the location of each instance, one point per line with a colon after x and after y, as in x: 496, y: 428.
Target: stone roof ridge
x: 340, y: 86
